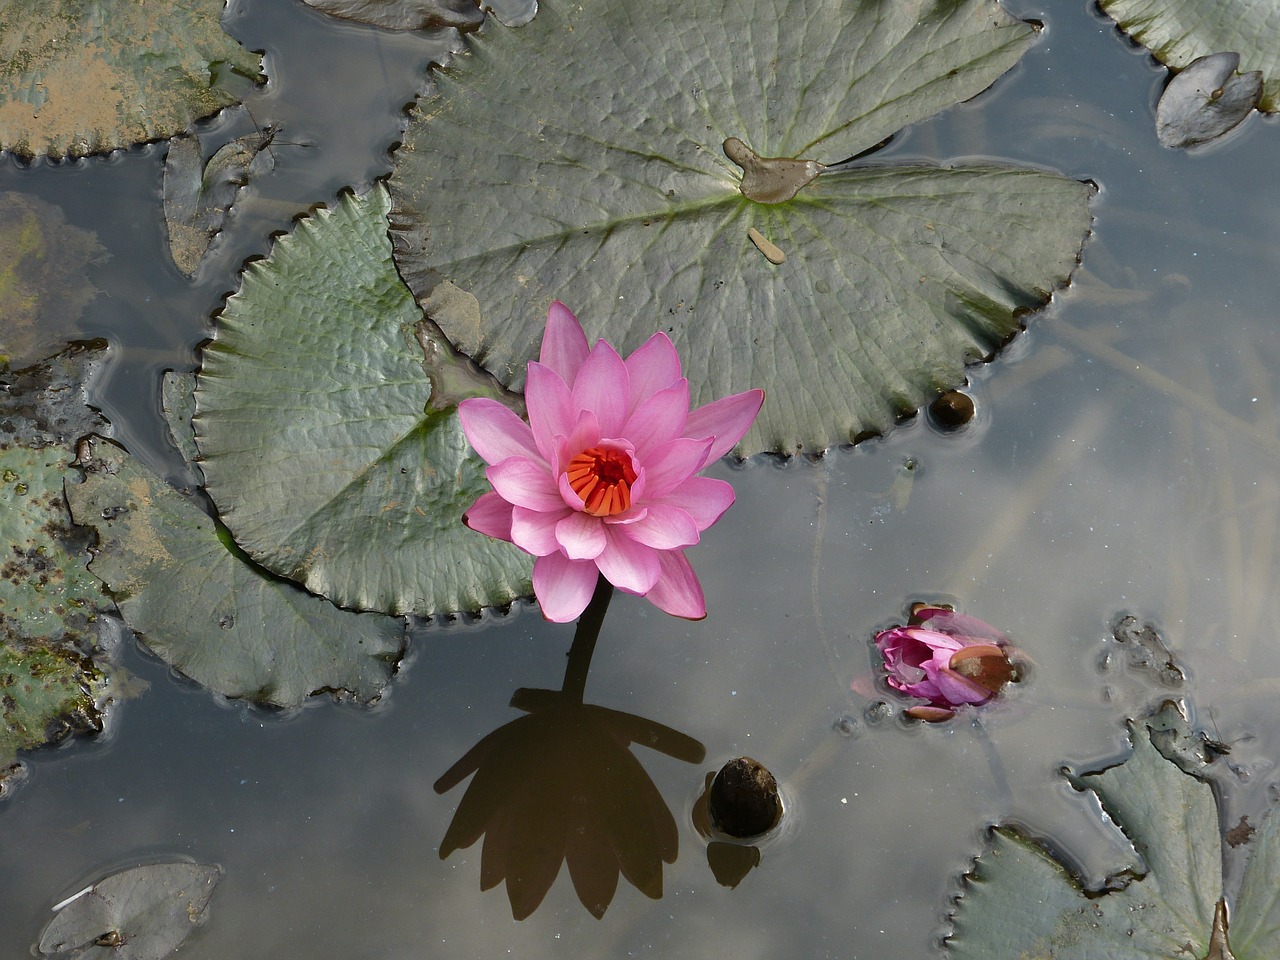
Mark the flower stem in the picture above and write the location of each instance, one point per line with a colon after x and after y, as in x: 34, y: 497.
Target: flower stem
x: 584, y: 640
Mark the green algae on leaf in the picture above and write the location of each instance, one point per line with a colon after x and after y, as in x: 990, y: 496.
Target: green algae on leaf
x: 332, y: 459
x: 88, y: 76
x: 141, y: 913
x: 1020, y: 903
x: 43, y: 286
x: 202, y: 608
x: 608, y: 186
x: 1180, y: 31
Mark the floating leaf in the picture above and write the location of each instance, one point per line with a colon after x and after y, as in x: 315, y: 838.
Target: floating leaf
x: 206, y: 611
x: 319, y: 445
x: 43, y: 287
x: 1206, y: 100
x: 87, y: 76
x: 611, y: 186
x: 405, y: 14
x: 1180, y: 31
x: 49, y: 686
x: 142, y: 913
x: 178, y: 403
x: 1019, y: 902
x: 197, y: 195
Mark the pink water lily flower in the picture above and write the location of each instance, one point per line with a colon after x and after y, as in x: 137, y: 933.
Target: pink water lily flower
x: 603, y: 478
x: 946, y: 658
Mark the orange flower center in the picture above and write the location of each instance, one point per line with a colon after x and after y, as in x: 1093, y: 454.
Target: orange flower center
x: 603, y: 479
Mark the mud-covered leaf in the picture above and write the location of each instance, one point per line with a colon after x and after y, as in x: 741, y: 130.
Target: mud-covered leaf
x: 1206, y: 100
x: 43, y: 282
x: 192, y: 597
x: 87, y: 76
x: 328, y: 456
x: 608, y: 186
x: 198, y: 194
x: 1020, y: 903
x: 1180, y: 31
x: 142, y: 913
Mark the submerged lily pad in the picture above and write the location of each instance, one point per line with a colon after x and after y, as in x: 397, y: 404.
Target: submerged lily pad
x: 1206, y: 100
x: 405, y: 14
x: 195, y: 601
x: 638, y: 188
x: 323, y: 446
x: 1021, y: 903
x: 87, y: 76
x: 142, y: 913
x: 1180, y: 31
x: 49, y: 685
x: 43, y: 286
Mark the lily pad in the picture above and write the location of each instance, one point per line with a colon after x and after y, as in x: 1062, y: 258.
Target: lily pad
x: 1180, y: 31
x: 1020, y: 902
x: 49, y: 685
x: 405, y: 14
x: 330, y: 457
x: 194, y: 599
x: 1206, y: 100
x: 690, y: 179
x: 142, y: 913
x: 43, y: 284
x: 197, y: 195
x: 88, y: 76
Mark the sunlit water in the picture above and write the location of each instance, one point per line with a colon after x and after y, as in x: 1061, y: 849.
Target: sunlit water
x: 1124, y: 460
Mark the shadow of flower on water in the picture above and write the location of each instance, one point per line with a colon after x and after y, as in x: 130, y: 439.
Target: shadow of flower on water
x: 561, y: 784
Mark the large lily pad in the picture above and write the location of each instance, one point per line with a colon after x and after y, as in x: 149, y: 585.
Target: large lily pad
x: 585, y: 159
x: 190, y: 594
x: 142, y: 913
x: 1180, y: 31
x: 323, y: 447
x: 87, y: 76
x: 43, y: 284
x: 1021, y: 903
x: 49, y: 685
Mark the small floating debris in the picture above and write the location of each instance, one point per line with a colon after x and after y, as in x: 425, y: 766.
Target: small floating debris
x: 772, y: 252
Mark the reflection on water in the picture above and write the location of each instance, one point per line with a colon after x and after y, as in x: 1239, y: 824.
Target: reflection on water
x: 1124, y: 461
x: 561, y: 784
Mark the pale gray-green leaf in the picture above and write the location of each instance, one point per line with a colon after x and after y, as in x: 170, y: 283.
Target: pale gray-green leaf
x: 1255, y: 923
x: 142, y: 913
x: 519, y: 190
x: 1179, y: 31
x: 204, y: 609
x: 1206, y: 100
x: 318, y: 445
x: 405, y: 14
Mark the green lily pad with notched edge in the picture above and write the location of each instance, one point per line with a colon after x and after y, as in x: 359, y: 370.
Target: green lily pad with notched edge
x: 88, y: 76
x: 331, y: 458
x: 587, y: 158
x: 1180, y: 31
x: 192, y: 597
x: 1020, y: 903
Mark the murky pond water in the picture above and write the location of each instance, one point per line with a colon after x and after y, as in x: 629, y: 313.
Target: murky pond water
x: 1124, y: 461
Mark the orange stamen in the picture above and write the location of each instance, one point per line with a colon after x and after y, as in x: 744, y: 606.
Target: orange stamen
x: 603, y: 479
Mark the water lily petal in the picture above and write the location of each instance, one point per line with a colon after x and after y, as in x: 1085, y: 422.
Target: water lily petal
x: 563, y: 586
x: 956, y: 689
x: 654, y: 366
x: 564, y: 345
x: 677, y: 590
x: 602, y: 386
x: 534, y: 531
x: 959, y: 625
x: 495, y: 431
x: 727, y: 420
x: 705, y: 499
x: 580, y: 535
x: 552, y: 412
x: 585, y: 434
x: 664, y: 527
x: 490, y: 515
x: 628, y: 565
x: 671, y: 464
x: 658, y: 419
x: 525, y: 484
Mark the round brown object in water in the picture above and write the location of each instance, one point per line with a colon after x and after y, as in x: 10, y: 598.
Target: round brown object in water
x: 743, y: 800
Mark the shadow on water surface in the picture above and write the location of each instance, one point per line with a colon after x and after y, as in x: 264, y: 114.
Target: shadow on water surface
x: 1124, y: 461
